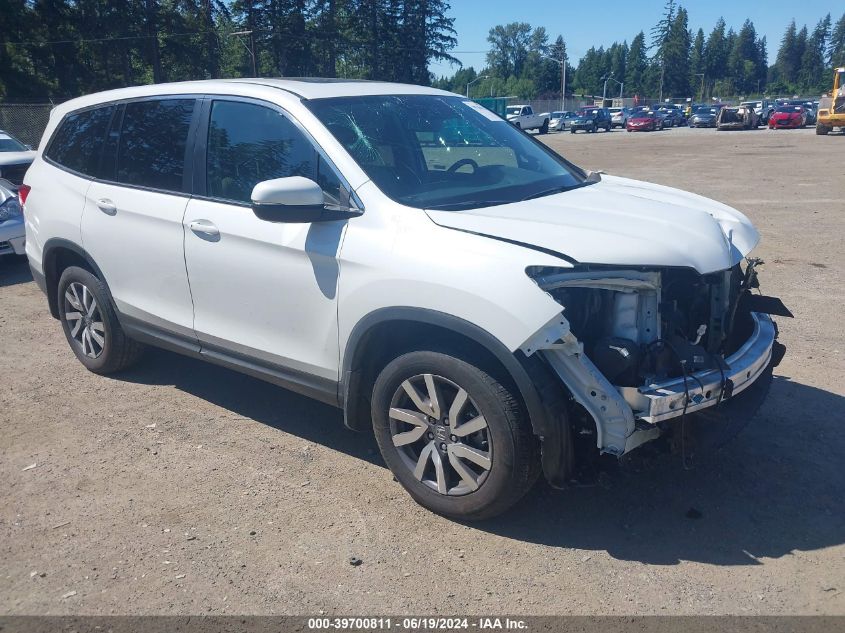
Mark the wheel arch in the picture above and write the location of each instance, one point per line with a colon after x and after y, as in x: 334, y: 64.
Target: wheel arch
x: 385, y: 333
x: 59, y: 254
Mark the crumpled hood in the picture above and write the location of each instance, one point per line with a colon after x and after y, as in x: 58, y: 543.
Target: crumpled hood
x: 619, y: 221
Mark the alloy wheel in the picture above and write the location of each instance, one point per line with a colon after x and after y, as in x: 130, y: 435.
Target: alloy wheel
x: 440, y: 434
x: 84, y: 320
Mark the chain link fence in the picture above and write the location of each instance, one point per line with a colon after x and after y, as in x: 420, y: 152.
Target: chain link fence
x: 25, y: 121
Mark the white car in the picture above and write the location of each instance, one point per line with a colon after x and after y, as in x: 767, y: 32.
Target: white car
x: 15, y: 158
x: 619, y: 116
x: 523, y: 116
x: 12, y: 235
x: 489, y: 309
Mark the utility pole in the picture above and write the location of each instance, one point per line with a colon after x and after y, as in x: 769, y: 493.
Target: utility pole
x: 662, y: 72
x: 562, y: 62
x: 621, y: 86
x: 250, y: 50
x: 604, y: 92
x: 474, y: 81
x: 702, y: 85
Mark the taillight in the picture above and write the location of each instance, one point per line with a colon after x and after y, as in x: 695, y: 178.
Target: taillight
x: 23, y: 192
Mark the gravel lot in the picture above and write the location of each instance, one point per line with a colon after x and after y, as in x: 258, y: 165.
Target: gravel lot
x: 184, y: 488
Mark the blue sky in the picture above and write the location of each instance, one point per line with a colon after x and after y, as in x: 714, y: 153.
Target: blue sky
x: 585, y: 24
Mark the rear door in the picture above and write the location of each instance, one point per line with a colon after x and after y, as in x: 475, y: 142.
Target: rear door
x: 132, y: 221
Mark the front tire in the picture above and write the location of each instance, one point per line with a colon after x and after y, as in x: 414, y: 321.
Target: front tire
x: 455, y: 438
x: 822, y: 130
x: 90, y: 323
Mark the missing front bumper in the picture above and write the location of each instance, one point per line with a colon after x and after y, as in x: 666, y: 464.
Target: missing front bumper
x: 664, y: 401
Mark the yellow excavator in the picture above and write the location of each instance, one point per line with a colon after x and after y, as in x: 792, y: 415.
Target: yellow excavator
x: 832, y: 108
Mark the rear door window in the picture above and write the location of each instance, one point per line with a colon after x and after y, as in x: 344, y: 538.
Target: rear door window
x: 78, y: 142
x: 153, y: 139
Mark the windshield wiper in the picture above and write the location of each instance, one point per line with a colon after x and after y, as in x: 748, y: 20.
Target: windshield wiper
x: 466, y: 204
x: 549, y: 192
x: 591, y: 179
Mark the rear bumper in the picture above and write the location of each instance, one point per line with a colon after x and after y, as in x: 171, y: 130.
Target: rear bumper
x: 12, y: 237
x: 663, y: 401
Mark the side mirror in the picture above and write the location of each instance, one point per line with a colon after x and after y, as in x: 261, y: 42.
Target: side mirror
x: 294, y: 199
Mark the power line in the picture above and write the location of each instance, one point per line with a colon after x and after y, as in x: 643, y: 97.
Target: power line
x: 310, y: 36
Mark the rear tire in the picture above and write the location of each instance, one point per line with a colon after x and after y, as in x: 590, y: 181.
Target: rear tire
x: 544, y: 129
x: 90, y: 323
x: 822, y: 130
x: 498, y: 454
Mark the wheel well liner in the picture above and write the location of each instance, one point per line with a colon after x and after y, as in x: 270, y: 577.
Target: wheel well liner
x: 58, y: 255
x: 401, y: 329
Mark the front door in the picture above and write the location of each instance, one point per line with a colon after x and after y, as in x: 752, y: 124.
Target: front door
x: 264, y: 291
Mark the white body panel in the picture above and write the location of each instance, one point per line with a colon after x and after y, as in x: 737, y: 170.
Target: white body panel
x: 54, y: 207
x: 264, y: 289
x: 622, y: 222
x: 139, y: 248
x: 395, y: 256
x: 527, y: 119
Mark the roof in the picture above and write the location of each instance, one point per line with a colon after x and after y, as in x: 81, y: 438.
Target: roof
x: 302, y: 87
x: 320, y: 88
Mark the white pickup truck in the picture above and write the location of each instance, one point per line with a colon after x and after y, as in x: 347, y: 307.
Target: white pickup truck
x: 522, y: 116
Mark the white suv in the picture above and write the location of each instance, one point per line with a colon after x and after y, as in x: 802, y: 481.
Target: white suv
x: 488, y: 308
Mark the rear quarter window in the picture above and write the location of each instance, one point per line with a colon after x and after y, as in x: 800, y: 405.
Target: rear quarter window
x: 78, y: 141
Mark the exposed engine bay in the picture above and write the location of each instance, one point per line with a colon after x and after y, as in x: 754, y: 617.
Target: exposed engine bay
x: 644, y: 326
x: 640, y: 346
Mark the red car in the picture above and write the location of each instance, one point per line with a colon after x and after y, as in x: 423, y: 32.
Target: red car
x: 644, y: 120
x: 788, y: 117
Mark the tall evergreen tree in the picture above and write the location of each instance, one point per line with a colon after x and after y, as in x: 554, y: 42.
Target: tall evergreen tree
x: 744, y: 61
x: 788, y: 59
x: 636, y: 67
x: 618, y: 59
x: 677, y: 57
x: 696, y: 64
x: 813, y: 62
x: 836, y: 49
x: 660, y: 41
x: 716, y: 53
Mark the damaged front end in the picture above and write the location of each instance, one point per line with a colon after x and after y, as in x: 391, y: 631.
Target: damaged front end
x: 641, y: 346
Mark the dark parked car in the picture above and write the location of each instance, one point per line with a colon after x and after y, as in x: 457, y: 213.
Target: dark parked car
x: 673, y: 116
x: 704, y: 116
x: 591, y: 120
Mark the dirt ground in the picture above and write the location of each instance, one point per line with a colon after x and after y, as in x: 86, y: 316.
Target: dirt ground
x: 184, y: 488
